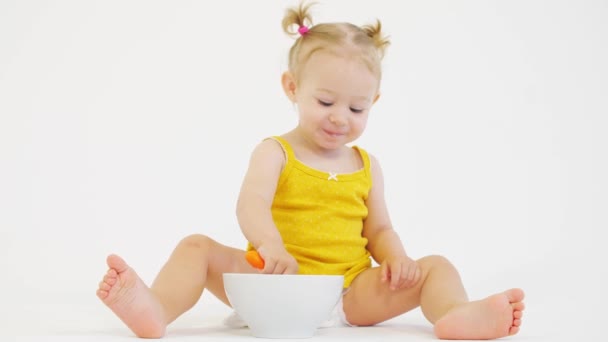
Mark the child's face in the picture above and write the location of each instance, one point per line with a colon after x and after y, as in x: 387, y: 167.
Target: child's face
x: 334, y: 96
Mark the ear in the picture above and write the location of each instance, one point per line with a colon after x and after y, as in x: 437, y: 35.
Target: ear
x: 289, y: 85
x: 376, y: 98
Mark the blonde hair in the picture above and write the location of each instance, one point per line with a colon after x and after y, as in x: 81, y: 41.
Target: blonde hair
x: 343, y: 39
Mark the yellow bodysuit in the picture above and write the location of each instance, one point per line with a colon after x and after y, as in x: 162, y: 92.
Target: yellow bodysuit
x: 320, y: 216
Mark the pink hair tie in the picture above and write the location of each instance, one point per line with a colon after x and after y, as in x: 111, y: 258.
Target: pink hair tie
x: 303, y: 30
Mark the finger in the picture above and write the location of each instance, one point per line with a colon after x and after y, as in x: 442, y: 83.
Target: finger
x: 411, y: 274
x: 277, y: 268
x: 404, y: 281
x: 269, y: 266
x: 418, y: 274
x: 384, y: 275
x: 281, y: 269
x: 415, y: 276
x: 411, y: 270
x: 396, y: 274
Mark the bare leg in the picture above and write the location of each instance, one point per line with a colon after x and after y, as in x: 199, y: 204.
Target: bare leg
x: 196, y: 263
x: 443, y: 300
x: 444, y: 303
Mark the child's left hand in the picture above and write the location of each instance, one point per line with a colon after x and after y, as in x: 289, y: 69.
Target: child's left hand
x: 401, y: 272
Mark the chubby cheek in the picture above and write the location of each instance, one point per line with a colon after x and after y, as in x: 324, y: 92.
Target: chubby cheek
x: 359, y: 125
x: 314, y: 116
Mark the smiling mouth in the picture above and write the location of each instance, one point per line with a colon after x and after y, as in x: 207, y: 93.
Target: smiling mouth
x: 333, y: 134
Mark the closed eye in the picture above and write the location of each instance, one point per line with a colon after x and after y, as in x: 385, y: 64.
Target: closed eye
x: 329, y: 104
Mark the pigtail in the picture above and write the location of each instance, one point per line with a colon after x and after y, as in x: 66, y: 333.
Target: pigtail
x: 368, y: 40
x: 296, y: 18
x: 374, y: 31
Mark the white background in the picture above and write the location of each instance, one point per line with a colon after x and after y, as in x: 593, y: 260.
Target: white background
x: 127, y: 125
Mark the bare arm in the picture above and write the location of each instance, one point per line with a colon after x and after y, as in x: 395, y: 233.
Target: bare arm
x: 254, y: 207
x: 384, y: 243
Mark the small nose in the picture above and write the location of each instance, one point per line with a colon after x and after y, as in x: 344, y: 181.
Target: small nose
x: 337, y: 119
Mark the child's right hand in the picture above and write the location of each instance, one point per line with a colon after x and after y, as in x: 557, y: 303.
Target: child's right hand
x: 277, y: 260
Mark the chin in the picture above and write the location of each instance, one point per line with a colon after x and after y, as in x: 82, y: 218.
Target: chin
x: 332, y: 145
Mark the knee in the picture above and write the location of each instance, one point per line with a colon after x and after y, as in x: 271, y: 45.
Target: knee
x: 197, y: 242
x: 434, y: 261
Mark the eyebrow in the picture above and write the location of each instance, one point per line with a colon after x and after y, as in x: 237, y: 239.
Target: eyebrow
x: 365, y: 98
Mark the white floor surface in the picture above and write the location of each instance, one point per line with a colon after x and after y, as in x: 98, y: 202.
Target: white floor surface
x: 551, y: 315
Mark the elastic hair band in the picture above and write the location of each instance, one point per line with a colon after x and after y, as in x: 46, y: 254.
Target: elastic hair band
x: 303, y: 30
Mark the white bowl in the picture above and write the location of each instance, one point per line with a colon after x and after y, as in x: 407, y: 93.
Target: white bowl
x: 283, y: 306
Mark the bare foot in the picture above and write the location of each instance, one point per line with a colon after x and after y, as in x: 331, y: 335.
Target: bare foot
x: 131, y: 300
x: 493, y: 317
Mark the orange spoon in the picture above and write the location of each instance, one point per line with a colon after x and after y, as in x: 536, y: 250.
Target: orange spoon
x: 254, y: 259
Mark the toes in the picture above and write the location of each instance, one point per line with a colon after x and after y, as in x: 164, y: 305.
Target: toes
x: 516, y: 322
x: 515, y: 295
x: 513, y: 330
x: 117, y: 263
x: 104, y: 286
x: 519, y: 306
x: 517, y: 314
x: 102, y: 294
x: 109, y: 280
